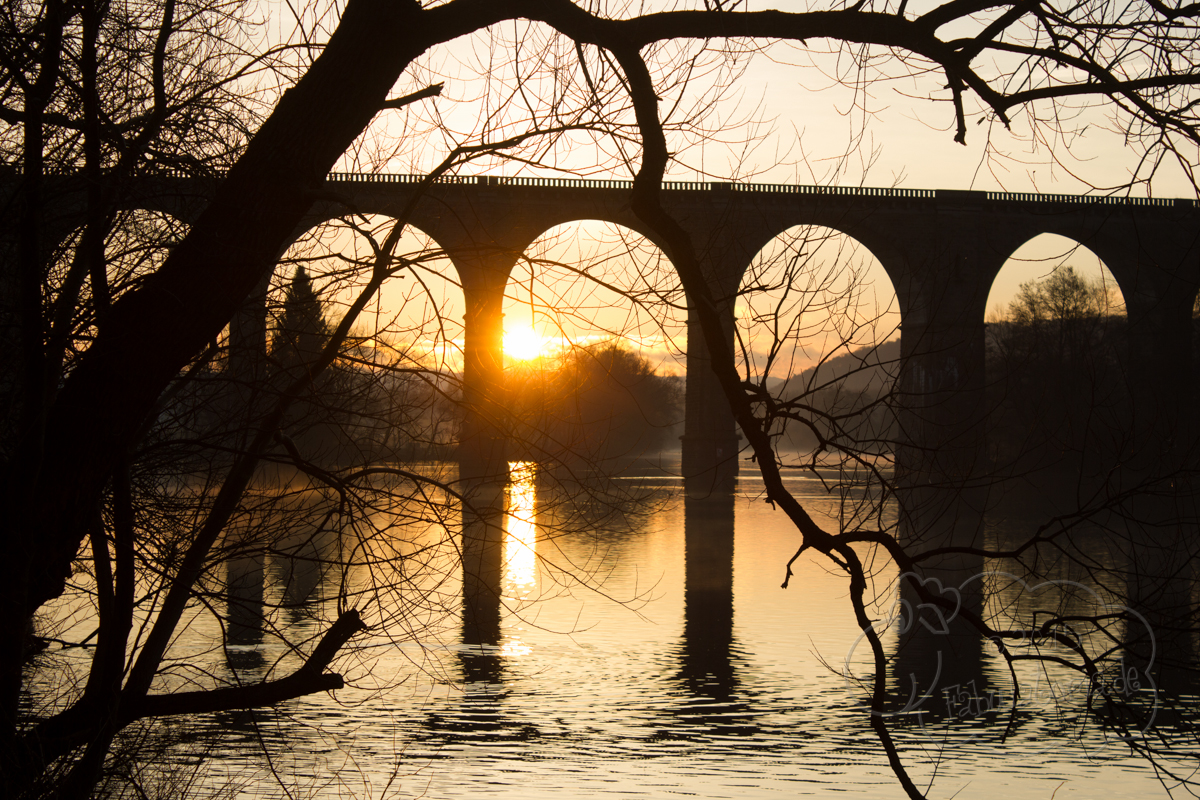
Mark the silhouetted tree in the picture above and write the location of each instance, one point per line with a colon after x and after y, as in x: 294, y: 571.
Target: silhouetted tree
x: 301, y: 333
x: 116, y: 92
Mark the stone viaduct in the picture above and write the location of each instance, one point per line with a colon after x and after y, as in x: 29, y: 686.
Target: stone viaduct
x: 941, y: 248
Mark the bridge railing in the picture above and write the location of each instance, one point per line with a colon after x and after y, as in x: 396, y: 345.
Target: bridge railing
x: 1087, y: 199
x: 845, y: 191
x: 762, y: 188
x: 600, y: 183
x: 715, y: 186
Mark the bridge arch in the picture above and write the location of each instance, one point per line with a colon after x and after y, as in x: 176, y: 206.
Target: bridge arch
x: 818, y: 321
x: 811, y: 293
x: 336, y: 244
x: 592, y: 303
x: 417, y: 313
x: 1045, y: 254
x: 1037, y: 246
x: 1058, y: 369
x: 584, y: 281
x: 390, y: 389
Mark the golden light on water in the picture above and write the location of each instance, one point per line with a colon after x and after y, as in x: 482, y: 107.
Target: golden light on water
x: 520, y: 531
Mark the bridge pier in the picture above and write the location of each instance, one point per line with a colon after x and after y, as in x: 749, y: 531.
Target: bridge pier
x: 940, y: 456
x: 709, y: 457
x: 940, y: 459
x: 1155, y: 533
x: 484, y: 446
x: 1160, y: 366
x: 711, y: 441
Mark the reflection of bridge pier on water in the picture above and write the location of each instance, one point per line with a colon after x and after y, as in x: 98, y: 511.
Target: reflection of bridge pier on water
x: 245, y: 612
x: 938, y: 669
x: 1134, y: 610
x: 499, y: 568
x: 1157, y: 549
x: 705, y: 667
x: 296, y: 575
x: 482, y: 572
x: 498, y: 563
x: 706, y: 654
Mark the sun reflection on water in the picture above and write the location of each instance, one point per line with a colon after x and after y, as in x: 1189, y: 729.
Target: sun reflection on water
x: 520, y: 531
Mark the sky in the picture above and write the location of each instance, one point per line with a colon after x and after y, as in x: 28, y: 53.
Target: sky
x: 788, y: 114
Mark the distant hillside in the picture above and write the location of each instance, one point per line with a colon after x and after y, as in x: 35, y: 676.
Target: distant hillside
x: 842, y: 394
x: 862, y: 369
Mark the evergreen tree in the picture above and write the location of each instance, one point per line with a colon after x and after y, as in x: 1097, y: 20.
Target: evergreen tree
x: 302, y: 331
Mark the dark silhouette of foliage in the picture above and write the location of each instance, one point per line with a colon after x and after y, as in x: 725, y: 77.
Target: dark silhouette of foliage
x: 101, y: 509
x: 1057, y: 370
x: 596, y: 402
x: 301, y: 332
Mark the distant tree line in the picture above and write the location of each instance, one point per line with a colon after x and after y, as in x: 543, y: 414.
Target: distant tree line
x: 589, y: 403
x: 373, y: 402
x: 1056, y: 374
x: 593, y: 402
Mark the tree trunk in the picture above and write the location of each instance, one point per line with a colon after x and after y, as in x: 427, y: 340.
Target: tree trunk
x: 153, y: 332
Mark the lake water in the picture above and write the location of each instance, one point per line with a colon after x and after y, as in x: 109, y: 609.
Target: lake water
x: 625, y: 658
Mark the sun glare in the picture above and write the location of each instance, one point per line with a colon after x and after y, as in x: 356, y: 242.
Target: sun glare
x: 524, y: 344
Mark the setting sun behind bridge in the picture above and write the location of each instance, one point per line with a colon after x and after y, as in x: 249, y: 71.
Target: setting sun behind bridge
x: 526, y: 344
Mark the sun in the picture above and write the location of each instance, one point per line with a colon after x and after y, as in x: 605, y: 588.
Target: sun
x: 524, y: 344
